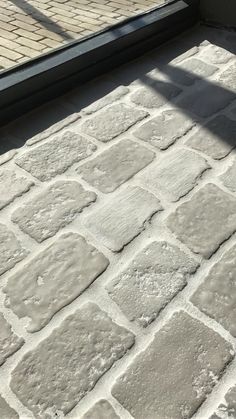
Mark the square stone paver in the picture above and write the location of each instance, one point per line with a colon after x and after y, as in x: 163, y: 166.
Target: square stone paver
x: 174, y: 375
x: 164, y: 129
x: 216, y: 138
x: 116, y: 165
x: 66, y: 365
x: 217, y: 295
x: 53, y: 208
x: 156, y: 95
x: 205, y: 221
x: 152, y: 279
x: 112, y: 121
x: 118, y: 221
x: 53, y: 279
x: 175, y: 174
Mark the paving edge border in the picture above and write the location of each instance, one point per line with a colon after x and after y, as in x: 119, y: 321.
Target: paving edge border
x: 39, y: 80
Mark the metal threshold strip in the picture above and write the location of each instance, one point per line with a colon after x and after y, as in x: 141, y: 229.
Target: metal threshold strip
x: 28, y: 85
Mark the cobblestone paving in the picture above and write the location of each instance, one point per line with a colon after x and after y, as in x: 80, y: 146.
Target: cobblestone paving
x: 29, y: 28
x: 118, y: 243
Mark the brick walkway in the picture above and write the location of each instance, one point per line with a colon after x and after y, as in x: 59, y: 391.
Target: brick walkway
x: 118, y: 244
x: 29, y: 28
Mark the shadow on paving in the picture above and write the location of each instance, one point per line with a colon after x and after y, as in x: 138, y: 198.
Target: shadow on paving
x: 195, y: 101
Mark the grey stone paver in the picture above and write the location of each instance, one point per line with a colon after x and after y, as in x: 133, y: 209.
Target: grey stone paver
x: 55, y: 156
x: 165, y: 129
x: 216, y: 138
x: 150, y: 282
x: 184, y: 361
x: 84, y: 347
x: 6, y: 412
x: 101, y: 410
x: 158, y: 94
x: 116, y: 165
x: 129, y: 206
x: 53, y: 279
x: 119, y: 221
x: 55, y: 207
x: 9, y: 342
x: 217, y: 295
x: 11, y: 250
x: 176, y: 174
x: 205, y: 221
x: 12, y: 186
x: 112, y: 121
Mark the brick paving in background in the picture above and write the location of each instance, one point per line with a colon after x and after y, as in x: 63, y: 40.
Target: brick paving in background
x: 29, y: 28
x: 118, y: 243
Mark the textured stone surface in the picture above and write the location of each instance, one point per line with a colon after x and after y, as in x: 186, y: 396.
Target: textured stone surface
x: 229, y: 177
x: 116, y: 223
x: 206, y: 99
x: 55, y: 156
x: 11, y: 250
x: 12, y: 186
x: 116, y: 94
x: 112, y: 121
x: 164, y: 129
x: 52, y: 209
x: 150, y: 282
x: 227, y: 409
x: 175, y: 174
x: 82, y: 349
x: 205, y: 221
x: 193, y: 69
x: 228, y: 78
x: 6, y: 412
x: 216, y: 138
x: 9, y: 342
x: 173, y: 376
x: 156, y: 95
x: 217, y: 295
x: 101, y: 410
x: 53, y: 279
x: 116, y: 165
x: 216, y: 55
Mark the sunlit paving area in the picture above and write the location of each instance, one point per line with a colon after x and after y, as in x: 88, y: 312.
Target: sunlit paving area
x: 29, y: 28
x: 117, y: 224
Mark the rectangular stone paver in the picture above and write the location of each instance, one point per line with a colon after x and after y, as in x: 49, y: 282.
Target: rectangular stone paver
x: 116, y: 165
x: 11, y: 250
x: 54, y: 208
x: 217, y: 295
x: 55, y: 156
x: 152, y: 279
x: 216, y: 138
x: 9, y: 342
x: 6, y: 412
x: 156, y: 95
x: 175, y: 174
x: 101, y: 410
x: 173, y: 376
x: 163, y: 130
x: 229, y: 177
x: 193, y: 69
x: 81, y: 350
x: 117, y: 222
x: 53, y: 279
x: 112, y: 121
x: 116, y: 94
x: 205, y: 221
x: 12, y: 186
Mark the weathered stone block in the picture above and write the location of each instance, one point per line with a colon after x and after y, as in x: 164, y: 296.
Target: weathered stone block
x: 156, y: 95
x: 6, y: 412
x: 65, y: 366
x: 11, y: 251
x: 9, y: 342
x: 12, y: 186
x: 101, y: 410
x: 173, y: 376
x: 53, y: 279
x: 205, y: 221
